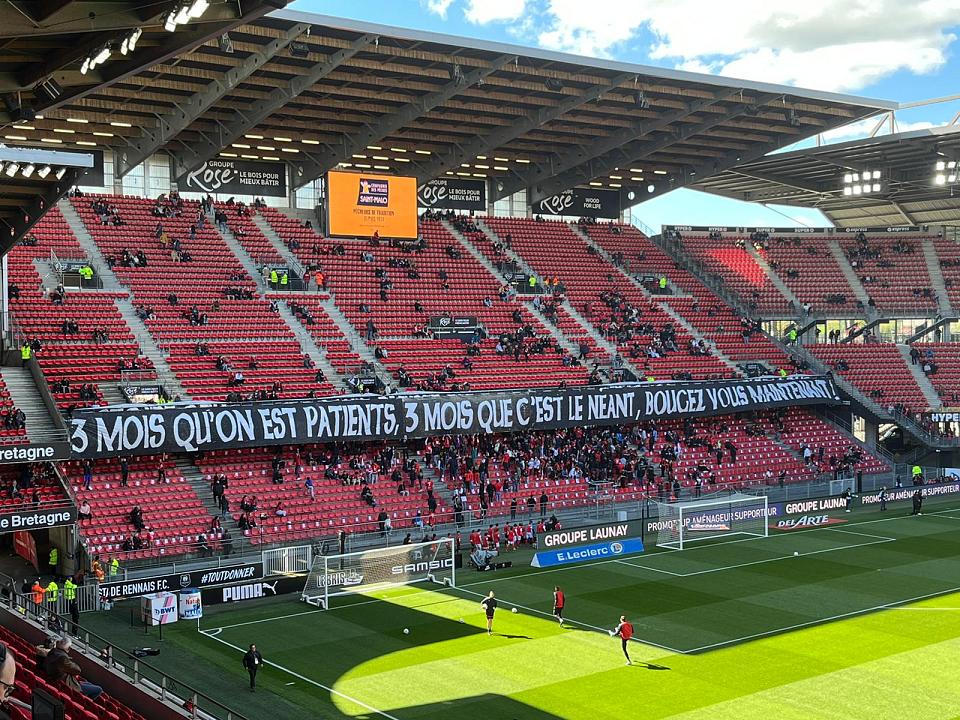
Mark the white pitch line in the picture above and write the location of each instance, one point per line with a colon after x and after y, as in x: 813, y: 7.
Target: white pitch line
x: 820, y: 621
x: 853, y: 532
x: 568, y: 621
x: 913, y: 609
x: 308, y: 680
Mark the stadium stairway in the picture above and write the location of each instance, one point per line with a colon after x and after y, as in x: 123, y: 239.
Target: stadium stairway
x: 26, y: 397
x: 685, y: 324
x: 586, y: 327
x: 774, y: 278
x: 923, y: 382
x: 198, y: 481
x: 937, y: 283
x: 238, y: 250
x: 309, y: 347
x: 150, y: 349
x: 565, y: 342
x: 357, y: 343
x: 270, y: 234
x: 107, y: 277
x: 858, y: 289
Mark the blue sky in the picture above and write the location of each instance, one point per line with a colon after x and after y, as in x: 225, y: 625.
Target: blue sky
x: 888, y: 49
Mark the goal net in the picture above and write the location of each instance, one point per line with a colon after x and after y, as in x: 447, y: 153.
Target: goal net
x: 684, y: 522
x: 359, y: 572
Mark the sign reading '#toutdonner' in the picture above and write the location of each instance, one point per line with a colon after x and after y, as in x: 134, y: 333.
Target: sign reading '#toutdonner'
x: 238, y: 177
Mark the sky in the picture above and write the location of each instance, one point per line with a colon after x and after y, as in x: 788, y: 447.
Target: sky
x: 900, y: 50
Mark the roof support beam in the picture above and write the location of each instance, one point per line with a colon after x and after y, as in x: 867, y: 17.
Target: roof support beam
x: 714, y: 166
x: 627, y: 155
x: 483, y: 144
x: 30, y: 214
x: 906, y: 216
x: 330, y: 156
x: 195, y: 154
x: 175, y: 121
x: 189, y: 37
x: 778, y: 180
x: 573, y: 158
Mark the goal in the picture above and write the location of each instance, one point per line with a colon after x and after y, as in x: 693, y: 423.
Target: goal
x: 359, y: 572
x: 681, y: 523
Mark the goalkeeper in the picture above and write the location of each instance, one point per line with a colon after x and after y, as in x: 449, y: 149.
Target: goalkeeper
x: 625, y: 631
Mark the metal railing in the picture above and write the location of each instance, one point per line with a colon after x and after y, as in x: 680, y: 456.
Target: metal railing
x: 146, y: 677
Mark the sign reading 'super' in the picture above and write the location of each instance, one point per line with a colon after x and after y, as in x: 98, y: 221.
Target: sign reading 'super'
x: 361, y: 204
x: 237, y: 177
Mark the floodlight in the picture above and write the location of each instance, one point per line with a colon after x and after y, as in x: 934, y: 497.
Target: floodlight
x: 951, y: 178
x: 102, y: 55
x: 183, y: 16
x: 940, y: 179
x: 650, y: 188
x: 848, y: 178
x: 876, y: 187
x: 848, y: 190
x: 44, y: 171
x: 856, y: 190
x: 198, y: 8
x: 85, y: 66
x: 171, y: 23
x: 28, y: 169
x: 60, y: 173
x: 941, y: 165
x: 12, y: 169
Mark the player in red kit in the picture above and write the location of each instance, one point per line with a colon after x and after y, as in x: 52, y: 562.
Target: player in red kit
x: 625, y: 631
x: 558, y: 602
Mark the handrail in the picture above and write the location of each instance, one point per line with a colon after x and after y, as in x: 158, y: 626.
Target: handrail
x: 138, y: 672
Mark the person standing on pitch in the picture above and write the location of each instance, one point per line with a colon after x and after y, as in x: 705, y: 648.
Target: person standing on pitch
x: 625, y: 631
x: 489, y: 605
x: 252, y: 662
x: 882, y: 497
x: 558, y: 603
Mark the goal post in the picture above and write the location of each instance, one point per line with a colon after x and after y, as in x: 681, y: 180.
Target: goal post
x: 358, y: 572
x: 681, y: 523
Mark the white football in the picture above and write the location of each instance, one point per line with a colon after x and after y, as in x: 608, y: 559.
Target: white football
x: 795, y: 552
x: 514, y: 610
x: 406, y: 631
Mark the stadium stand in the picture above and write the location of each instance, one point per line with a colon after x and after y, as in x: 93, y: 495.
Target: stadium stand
x: 892, y: 270
x: 870, y: 367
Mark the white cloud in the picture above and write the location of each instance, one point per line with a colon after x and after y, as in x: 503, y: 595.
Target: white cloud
x: 438, y: 7
x: 863, y: 128
x: 827, y: 44
x: 482, y: 12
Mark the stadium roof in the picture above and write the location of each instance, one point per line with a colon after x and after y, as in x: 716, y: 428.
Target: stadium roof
x: 814, y: 177
x: 319, y: 91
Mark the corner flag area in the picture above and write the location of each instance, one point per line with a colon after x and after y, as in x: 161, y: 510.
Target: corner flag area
x: 853, y: 620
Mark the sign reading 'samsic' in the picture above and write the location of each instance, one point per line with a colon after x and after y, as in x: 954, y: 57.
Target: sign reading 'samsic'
x: 190, y: 427
x: 199, y: 579
x: 238, y: 177
x: 453, y: 194
x: 361, y: 204
x: 582, y: 202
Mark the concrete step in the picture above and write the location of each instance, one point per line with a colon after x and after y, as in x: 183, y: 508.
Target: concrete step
x: 198, y: 481
x: 86, y: 241
x: 150, y: 349
x: 933, y: 400
x: 309, y: 346
x: 240, y: 253
x: 26, y: 396
x: 937, y: 283
x: 357, y: 343
x: 278, y: 244
x: 859, y: 291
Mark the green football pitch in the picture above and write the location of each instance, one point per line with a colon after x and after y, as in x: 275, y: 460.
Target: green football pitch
x: 853, y: 620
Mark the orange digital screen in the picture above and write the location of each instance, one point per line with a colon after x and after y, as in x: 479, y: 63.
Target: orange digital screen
x: 359, y: 204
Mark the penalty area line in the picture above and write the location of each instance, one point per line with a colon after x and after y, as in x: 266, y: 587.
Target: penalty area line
x: 297, y: 675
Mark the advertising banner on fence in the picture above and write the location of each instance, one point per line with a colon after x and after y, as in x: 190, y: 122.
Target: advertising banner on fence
x: 896, y: 495
x: 582, y: 202
x: 453, y: 194
x: 237, y: 177
x: 584, y: 553
x: 188, y: 427
x: 198, y: 579
x: 361, y: 204
x: 34, y: 452
x: 269, y: 587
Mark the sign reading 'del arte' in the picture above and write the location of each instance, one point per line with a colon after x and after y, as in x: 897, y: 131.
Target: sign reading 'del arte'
x: 34, y: 452
x: 238, y: 177
x: 582, y: 202
x: 198, y: 579
x: 200, y: 427
x: 453, y: 194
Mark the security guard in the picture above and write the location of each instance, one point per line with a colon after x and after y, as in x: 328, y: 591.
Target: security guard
x: 54, y: 560
x: 793, y: 336
x: 26, y: 352
x: 782, y: 373
x: 274, y: 278
x: 532, y: 282
x: 114, y: 567
x: 69, y: 590
x: 662, y: 283
x: 284, y: 280
x: 53, y: 592
x: 86, y: 273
